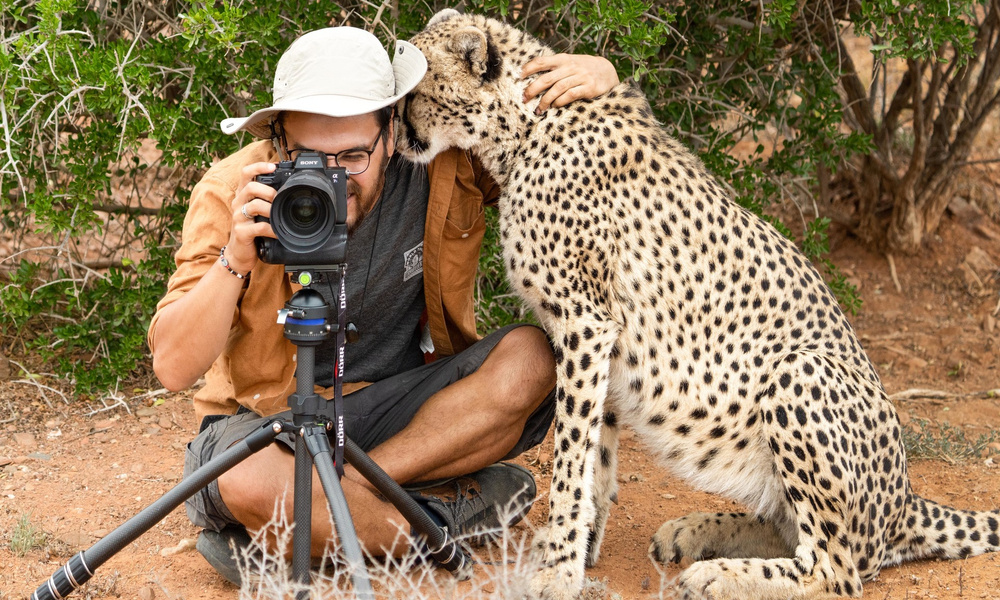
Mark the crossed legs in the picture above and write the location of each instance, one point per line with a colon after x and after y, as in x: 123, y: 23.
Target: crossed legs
x: 465, y: 426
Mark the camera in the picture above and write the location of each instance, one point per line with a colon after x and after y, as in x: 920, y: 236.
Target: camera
x: 308, y: 214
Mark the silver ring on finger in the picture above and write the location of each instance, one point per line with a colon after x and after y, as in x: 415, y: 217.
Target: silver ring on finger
x: 244, y: 211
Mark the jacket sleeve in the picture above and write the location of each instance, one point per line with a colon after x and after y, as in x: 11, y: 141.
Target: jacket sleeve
x: 485, y: 182
x: 206, y: 230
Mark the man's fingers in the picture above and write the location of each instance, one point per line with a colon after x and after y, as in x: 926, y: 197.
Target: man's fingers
x: 252, y: 190
x: 249, y: 188
x: 539, y: 64
x: 539, y: 85
x: 564, y: 78
x: 562, y: 93
x: 570, y: 95
x: 261, y: 229
x: 264, y: 209
x: 253, y: 208
x: 553, y: 84
x: 248, y: 230
x: 251, y: 171
x: 255, y: 189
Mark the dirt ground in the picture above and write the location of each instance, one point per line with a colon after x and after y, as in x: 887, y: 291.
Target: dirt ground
x: 77, y: 470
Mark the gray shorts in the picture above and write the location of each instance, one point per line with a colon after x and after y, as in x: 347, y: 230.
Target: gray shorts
x: 372, y: 415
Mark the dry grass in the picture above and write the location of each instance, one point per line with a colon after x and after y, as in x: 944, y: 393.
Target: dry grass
x: 26, y: 536
x: 502, y: 570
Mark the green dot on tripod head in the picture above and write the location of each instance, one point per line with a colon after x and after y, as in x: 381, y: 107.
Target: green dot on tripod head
x: 305, y: 278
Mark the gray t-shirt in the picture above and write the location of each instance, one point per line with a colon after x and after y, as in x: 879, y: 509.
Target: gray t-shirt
x: 385, y: 282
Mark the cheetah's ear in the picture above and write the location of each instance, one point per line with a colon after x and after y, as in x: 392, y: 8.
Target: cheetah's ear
x: 441, y: 16
x: 470, y: 44
x: 480, y: 54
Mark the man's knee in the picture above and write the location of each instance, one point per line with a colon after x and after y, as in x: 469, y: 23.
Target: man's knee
x: 523, y: 365
x: 250, y: 490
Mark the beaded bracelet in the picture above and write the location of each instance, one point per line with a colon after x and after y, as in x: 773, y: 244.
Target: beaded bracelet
x: 225, y: 263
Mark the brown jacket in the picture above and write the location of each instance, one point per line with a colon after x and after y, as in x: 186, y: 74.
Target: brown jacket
x: 256, y: 369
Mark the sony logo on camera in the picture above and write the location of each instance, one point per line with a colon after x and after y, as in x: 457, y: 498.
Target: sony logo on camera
x: 308, y: 214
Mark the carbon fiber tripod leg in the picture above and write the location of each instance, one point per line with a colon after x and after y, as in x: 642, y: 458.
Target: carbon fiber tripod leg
x: 81, y: 567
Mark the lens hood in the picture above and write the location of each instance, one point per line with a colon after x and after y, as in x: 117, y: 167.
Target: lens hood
x: 304, y: 211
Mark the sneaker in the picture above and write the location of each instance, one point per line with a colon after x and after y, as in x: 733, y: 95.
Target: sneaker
x: 229, y: 551
x: 220, y: 549
x: 479, y: 506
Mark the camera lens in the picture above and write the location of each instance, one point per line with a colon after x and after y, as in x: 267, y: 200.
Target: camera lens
x: 303, y: 212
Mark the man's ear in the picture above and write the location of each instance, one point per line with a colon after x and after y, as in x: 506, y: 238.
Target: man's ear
x: 480, y: 55
x: 390, y: 142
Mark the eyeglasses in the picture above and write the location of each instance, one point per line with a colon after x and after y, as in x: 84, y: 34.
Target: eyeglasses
x: 355, y: 160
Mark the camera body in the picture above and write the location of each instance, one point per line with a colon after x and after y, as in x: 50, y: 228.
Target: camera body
x: 308, y: 214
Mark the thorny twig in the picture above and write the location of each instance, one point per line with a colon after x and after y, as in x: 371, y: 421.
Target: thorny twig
x: 41, y: 389
x: 892, y: 273
x: 119, y: 401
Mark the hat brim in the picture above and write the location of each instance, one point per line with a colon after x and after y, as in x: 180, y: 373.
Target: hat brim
x: 408, y: 66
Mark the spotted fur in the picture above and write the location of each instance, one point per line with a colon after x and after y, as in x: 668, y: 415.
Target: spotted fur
x: 678, y: 313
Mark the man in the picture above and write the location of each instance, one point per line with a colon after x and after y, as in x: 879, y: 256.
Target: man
x: 414, y: 240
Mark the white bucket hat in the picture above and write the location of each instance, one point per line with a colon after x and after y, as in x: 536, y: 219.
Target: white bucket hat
x: 338, y: 72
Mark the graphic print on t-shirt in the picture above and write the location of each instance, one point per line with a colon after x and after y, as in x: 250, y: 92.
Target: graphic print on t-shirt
x: 413, y: 262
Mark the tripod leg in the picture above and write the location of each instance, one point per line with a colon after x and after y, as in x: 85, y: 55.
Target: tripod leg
x: 443, y: 549
x: 319, y: 449
x: 81, y: 567
x: 302, y: 514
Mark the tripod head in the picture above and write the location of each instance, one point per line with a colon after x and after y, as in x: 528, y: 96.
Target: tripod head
x: 306, y: 312
x: 305, y: 318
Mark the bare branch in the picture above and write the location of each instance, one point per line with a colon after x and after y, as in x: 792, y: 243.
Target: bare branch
x: 126, y: 209
x: 919, y: 135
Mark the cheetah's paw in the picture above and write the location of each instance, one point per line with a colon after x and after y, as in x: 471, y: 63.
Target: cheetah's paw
x: 557, y: 578
x: 713, y: 580
x: 556, y: 583
x: 679, y: 539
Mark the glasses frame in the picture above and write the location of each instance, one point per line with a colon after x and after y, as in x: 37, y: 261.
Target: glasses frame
x: 336, y: 160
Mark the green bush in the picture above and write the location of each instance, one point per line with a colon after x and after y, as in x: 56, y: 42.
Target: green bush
x: 109, y: 113
x: 90, y: 209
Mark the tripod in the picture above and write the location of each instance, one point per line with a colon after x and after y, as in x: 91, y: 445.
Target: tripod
x: 305, y: 324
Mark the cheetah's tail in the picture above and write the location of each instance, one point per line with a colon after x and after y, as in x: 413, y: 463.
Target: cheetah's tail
x: 932, y: 529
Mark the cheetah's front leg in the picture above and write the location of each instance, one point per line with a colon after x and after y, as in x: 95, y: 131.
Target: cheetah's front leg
x: 583, y: 353
x: 605, y: 484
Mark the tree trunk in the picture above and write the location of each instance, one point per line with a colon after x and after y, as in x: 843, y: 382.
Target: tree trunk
x: 905, y: 230
x: 868, y: 188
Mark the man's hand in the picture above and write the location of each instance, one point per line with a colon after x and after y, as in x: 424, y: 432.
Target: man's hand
x: 251, y: 200
x: 568, y: 77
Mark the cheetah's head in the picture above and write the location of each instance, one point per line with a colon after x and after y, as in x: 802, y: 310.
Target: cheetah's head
x: 472, y: 92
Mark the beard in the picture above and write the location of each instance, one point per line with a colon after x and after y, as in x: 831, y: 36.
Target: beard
x: 365, y: 202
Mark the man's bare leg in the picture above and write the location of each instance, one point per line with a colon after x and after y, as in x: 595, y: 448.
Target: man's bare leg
x: 252, y: 489
x: 477, y: 420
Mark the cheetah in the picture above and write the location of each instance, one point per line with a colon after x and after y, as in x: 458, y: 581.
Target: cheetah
x: 676, y: 312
